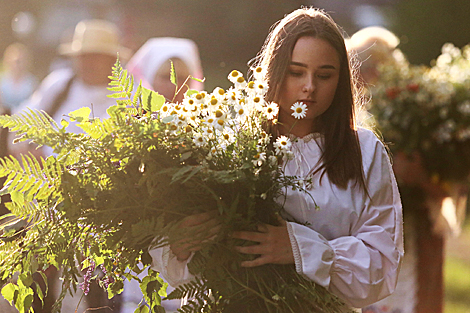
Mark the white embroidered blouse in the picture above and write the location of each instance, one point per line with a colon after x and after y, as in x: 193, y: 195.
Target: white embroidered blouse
x: 353, y: 245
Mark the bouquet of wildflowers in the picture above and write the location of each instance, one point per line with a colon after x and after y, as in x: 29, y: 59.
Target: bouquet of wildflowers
x: 427, y: 109
x: 125, y: 185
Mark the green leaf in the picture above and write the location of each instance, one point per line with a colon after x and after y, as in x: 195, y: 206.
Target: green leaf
x: 80, y: 115
x: 191, y: 92
x: 115, y: 288
x: 26, y: 279
x: 152, y: 101
x: 142, y: 309
x: 198, y: 79
x: 173, y: 74
x: 10, y: 292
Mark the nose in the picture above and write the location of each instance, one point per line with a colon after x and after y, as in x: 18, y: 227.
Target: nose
x: 309, y: 85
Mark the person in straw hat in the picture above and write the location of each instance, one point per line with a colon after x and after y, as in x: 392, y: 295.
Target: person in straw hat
x: 93, y: 52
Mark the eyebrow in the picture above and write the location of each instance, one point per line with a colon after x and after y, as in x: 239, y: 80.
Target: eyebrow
x: 326, y: 66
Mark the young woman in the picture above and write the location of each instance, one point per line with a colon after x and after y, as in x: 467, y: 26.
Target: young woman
x: 353, y: 244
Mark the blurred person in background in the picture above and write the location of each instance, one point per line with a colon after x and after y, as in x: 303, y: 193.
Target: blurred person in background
x: 151, y: 64
x: 93, y: 52
x: 17, y: 83
x: 420, y: 284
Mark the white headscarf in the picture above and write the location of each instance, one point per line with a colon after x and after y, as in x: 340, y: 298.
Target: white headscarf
x: 153, y: 53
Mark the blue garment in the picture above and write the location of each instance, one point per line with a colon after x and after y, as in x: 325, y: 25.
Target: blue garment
x: 13, y: 93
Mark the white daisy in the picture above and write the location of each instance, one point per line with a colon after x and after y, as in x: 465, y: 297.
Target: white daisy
x: 271, y: 110
x: 259, y: 73
x: 234, y: 75
x: 300, y: 110
x: 282, y: 144
x: 259, y: 158
x: 199, y: 140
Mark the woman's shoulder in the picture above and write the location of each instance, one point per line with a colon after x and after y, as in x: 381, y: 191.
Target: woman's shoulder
x: 372, y: 146
x: 368, y: 137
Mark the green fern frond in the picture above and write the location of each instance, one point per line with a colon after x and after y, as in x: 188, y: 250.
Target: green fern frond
x: 121, y: 84
x: 34, y: 125
x: 28, y: 120
x: 189, y: 290
x: 31, y: 176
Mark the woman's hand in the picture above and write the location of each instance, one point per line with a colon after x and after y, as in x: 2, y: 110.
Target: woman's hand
x: 198, y: 229
x: 274, y: 245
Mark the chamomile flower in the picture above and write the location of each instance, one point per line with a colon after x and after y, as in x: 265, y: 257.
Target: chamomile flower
x: 241, y: 111
x: 214, y: 104
x: 199, y: 140
x: 234, y: 75
x: 259, y: 73
x: 227, y: 136
x: 259, y: 158
x: 257, y: 102
x: 282, y: 144
x: 240, y: 83
x: 220, y: 119
x: 300, y: 110
x: 251, y: 88
x: 264, y: 138
x: 271, y: 110
x: 219, y: 93
x: 261, y: 87
x: 165, y: 109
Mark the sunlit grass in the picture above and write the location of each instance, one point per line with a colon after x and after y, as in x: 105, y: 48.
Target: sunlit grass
x: 457, y: 279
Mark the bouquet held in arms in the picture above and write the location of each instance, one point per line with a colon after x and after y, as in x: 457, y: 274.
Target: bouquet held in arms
x: 126, y: 185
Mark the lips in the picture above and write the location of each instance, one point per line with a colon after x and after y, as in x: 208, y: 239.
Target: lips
x: 307, y: 102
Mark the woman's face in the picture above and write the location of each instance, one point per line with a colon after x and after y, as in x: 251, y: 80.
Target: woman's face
x: 311, y: 78
x: 162, y: 83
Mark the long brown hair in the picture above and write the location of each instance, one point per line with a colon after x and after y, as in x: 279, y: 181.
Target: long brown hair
x: 341, y: 157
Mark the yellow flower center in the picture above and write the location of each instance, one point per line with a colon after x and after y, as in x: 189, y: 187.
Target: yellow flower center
x: 221, y: 92
x: 164, y: 108
x: 257, y: 99
x: 199, y: 96
x: 241, y: 111
x: 226, y: 137
x: 259, y: 69
x: 240, y: 79
x: 191, y: 101
x: 269, y: 110
x: 251, y: 84
x: 234, y: 73
x: 214, y: 101
x: 221, y: 122
x: 218, y: 113
x: 298, y: 110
